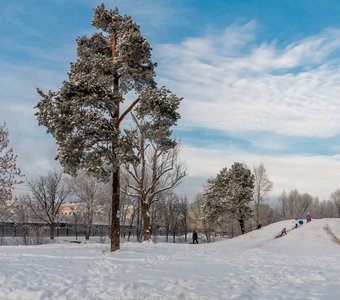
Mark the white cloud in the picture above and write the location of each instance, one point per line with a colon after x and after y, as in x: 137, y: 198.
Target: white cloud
x: 316, y: 175
x: 35, y: 149
x: 230, y: 84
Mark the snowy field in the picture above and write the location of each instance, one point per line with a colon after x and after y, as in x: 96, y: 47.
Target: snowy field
x: 304, y: 264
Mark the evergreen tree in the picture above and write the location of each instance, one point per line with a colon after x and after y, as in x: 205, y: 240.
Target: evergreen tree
x: 85, y: 116
x: 230, y: 193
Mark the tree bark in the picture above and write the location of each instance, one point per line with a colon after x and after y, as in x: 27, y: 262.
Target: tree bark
x: 146, y: 221
x: 52, y: 227
x: 167, y: 232
x: 138, y: 223
x: 115, y: 226
x: 88, y: 230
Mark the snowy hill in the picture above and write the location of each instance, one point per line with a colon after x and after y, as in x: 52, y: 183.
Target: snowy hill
x: 312, y: 237
x: 304, y: 264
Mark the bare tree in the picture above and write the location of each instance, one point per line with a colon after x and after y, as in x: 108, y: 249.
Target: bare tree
x: 262, y: 187
x: 323, y: 209
x: 268, y: 214
x: 87, y: 191
x: 20, y: 213
x: 294, y: 205
x: 77, y: 218
x: 335, y: 197
x: 48, y: 193
x: 20, y: 217
x: 133, y: 215
x: 10, y: 174
x: 156, y: 171
x: 198, y: 220
x: 171, y: 212
x: 184, y: 215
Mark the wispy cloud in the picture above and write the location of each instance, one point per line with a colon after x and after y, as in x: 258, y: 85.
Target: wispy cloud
x: 231, y: 83
x: 317, y: 175
x: 257, y: 94
x: 36, y: 55
x: 36, y: 150
x: 265, y: 97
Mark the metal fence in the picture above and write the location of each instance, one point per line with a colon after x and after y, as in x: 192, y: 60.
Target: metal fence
x: 21, y: 230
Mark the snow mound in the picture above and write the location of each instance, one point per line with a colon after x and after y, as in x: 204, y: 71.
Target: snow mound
x: 309, y: 237
x: 304, y: 264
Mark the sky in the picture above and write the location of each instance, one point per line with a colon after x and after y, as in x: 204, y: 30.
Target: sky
x: 259, y: 81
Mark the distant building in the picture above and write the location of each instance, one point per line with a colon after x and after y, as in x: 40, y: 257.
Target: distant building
x: 70, y: 209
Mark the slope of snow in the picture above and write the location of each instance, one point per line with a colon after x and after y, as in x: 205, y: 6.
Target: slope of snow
x: 304, y: 264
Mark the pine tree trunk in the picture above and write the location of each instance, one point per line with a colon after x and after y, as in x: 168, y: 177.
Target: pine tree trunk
x: 115, y: 226
x: 146, y: 221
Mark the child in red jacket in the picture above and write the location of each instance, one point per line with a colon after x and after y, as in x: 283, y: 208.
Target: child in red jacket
x: 284, y: 231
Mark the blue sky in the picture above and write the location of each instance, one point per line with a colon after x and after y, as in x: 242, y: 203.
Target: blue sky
x: 260, y: 81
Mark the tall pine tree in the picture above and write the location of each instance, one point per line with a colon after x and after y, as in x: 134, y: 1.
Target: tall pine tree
x: 85, y: 115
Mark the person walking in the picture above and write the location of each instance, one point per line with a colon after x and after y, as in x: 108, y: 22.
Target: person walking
x: 308, y: 217
x: 194, y: 237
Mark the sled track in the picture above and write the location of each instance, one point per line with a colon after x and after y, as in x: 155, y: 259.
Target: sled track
x: 331, y: 233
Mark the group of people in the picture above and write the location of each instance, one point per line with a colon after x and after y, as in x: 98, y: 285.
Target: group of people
x: 283, y: 231
x: 296, y: 223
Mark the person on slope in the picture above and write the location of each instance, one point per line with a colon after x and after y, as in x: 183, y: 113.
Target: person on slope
x: 284, y: 231
x: 296, y: 223
x: 308, y: 217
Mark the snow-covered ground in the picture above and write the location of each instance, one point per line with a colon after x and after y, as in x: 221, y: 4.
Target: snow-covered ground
x: 304, y: 264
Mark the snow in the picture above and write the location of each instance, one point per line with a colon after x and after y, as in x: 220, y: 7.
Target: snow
x: 304, y: 264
